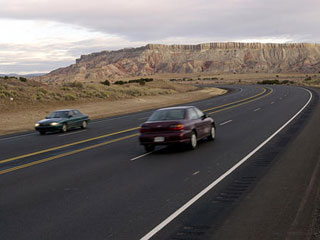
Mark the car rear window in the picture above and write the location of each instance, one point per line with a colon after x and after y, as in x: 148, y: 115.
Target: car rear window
x: 166, y: 115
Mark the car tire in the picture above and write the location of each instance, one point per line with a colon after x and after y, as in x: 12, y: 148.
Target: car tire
x: 193, y: 141
x: 42, y: 132
x: 64, y: 128
x: 212, y: 135
x: 84, y: 124
x: 149, y: 148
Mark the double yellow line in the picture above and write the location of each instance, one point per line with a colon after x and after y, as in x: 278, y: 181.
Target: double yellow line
x: 240, y: 102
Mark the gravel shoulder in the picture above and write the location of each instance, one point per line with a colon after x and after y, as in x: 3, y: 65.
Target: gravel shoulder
x: 285, y: 203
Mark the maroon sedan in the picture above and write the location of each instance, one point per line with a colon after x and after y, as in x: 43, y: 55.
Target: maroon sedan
x: 186, y: 124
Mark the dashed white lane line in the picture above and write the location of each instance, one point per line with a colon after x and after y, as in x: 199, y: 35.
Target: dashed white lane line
x: 67, y: 134
x: 272, y: 102
x: 229, y: 121
x: 141, y: 156
x: 195, y: 173
x: 146, y: 154
x: 257, y: 109
x: 18, y: 136
x: 180, y: 210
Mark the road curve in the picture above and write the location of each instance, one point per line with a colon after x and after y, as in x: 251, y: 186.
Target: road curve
x: 99, y: 183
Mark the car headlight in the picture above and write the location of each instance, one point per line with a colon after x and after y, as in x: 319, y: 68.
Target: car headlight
x: 54, y: 124
x: 37, y: 125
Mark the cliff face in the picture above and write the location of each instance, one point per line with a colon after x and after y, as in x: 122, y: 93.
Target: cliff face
x: 209, y: 57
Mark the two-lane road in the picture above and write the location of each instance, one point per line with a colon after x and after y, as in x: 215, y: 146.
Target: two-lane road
x: 98, y: 183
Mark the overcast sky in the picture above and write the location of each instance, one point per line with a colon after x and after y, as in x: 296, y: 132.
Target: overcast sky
x: 42, y: 35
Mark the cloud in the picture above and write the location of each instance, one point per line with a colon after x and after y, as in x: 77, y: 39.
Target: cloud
x: 150, y: 20
x: 50, y: 32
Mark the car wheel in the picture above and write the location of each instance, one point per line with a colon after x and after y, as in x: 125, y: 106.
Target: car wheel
x: 212, y: 135
x: 193, y: 141
x: 84, y: 124
x: 149, y: 148
x: 42, y: 132
x: 64, y: 128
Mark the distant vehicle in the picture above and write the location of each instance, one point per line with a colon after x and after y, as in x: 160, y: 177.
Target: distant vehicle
x: 62, y: 120
x: 186, y: 124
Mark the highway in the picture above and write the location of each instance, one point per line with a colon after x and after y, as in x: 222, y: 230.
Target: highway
x: 98, y: 183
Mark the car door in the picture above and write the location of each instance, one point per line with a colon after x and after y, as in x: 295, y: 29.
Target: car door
x: 205, y: 123
x: 194, y: 117
x: 78, y: 117
x: 71, y: 119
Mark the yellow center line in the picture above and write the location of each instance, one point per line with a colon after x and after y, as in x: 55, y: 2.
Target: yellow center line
x: 264, y: 90
x: 237, y: 105
x: 65, y: 154
x: 67, y: 145
x: 104, y: 143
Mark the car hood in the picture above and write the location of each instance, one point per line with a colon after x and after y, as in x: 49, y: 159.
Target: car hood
x: 51, y: 120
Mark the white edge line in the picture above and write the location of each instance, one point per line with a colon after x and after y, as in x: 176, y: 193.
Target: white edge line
x: 257, y: 109
x: 214, y: 183
x: 229, y: 121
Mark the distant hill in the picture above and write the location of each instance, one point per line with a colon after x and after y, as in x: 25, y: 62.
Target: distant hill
x: 209, y: 57
x: 22, y: 75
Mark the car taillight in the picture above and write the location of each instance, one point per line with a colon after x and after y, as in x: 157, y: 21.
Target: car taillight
x: 177, y: 127
x: 144, y: 129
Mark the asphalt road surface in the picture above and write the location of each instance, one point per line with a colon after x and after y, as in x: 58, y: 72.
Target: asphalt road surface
x: 98, y: 183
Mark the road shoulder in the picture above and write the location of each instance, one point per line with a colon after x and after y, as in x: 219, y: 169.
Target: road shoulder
x: 283, y: 203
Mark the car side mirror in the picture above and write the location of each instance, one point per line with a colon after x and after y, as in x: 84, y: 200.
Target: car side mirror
x: 204, y: 116
x: 69, y: 116
x: 46, y: 117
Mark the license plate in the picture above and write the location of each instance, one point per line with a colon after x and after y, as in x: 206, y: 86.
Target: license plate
x: 159, y: 139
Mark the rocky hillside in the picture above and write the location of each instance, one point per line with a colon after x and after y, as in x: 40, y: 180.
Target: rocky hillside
x: 210, y: 57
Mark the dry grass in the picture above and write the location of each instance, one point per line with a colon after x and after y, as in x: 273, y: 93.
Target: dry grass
x: 242, y: 78
x: 32, y: 101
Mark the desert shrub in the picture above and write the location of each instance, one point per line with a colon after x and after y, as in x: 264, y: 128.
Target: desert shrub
x: 277, y: 76
x: 7, y: 93
x: 2, y: 87
x: 6, y: 77
x: 22, y: 79
x: 133, y: 81
x: 308, y: 78
x: 285, y: 82
x: 106, y: 82
x: 141, y: 82
x: 120, y: 82
x: 65, y: 88
x: 269, y: 82
x: 146, y: 79
x: 74, y: 84
x: 42, y: 90
x: 69, y: 97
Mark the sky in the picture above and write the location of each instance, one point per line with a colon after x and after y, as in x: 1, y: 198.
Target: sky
x: 39, y: 36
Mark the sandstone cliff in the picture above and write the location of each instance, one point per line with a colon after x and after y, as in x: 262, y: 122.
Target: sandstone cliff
x: 209, y: 57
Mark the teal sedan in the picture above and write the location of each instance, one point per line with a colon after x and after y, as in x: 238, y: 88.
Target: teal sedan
x: 62, y: 120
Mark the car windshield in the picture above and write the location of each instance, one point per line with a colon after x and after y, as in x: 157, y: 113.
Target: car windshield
x: 58, y: 114
x: 169, y: 114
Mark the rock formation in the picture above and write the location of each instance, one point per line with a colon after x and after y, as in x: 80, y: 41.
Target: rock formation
x: 230, y: 57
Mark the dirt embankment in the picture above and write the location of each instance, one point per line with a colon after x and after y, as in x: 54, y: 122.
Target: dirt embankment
x: 25, y: 104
